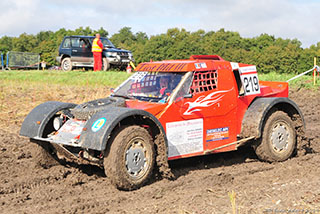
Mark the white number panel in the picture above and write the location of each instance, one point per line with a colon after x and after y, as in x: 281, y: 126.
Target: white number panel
x: 250, y: 84
x: 250, y: 81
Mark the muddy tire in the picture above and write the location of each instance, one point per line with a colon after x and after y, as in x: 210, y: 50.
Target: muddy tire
x: 105, y: 64
x: 66, y: 64
x: 131, y: 158
x: 44, y: 154
x: 85, y: 110
x: 278, y: 142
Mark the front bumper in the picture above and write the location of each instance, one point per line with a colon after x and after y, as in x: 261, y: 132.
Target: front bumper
x: 119, y: 60
x: 68, y: 134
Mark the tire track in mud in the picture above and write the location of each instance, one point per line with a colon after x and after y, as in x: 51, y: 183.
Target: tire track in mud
x: 24, y: 186
x: 22, y: 175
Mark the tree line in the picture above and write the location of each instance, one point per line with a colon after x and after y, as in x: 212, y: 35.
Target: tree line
x: 266, y: 51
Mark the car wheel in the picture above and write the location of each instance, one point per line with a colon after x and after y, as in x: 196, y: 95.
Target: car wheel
x: 278, y: 141
x: 105, y: 64
x: 130, y: 160
x: 66, y: 64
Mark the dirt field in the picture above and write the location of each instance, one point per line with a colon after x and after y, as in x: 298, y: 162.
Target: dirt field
x: 202, y: 184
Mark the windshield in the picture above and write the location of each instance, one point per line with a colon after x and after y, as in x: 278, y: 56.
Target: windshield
x: 107, y: 43
x: 149, y: 86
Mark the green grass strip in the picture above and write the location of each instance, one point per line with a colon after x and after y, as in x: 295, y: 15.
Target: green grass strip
x: 305, y: 81
x: 76, y: 77
x: 115, y: 78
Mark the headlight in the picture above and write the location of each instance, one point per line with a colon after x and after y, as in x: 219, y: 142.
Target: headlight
x: 111, y: 54
x: 57, y: 123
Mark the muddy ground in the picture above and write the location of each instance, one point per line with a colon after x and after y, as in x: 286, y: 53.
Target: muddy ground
x: 202, y: 184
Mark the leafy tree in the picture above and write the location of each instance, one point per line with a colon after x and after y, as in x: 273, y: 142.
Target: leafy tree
x: 266, y: 51
x: 124, y: 38
x: 6, y: 44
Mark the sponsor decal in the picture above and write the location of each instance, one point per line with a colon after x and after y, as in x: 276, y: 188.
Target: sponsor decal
x: 184, y: 137
x: 161, y: 66
x: 248, y: 69
x: 137, y: 77
x: 73, y: 127
x: 217, y: 134
x: 200, y: 65
x: 98, y: 124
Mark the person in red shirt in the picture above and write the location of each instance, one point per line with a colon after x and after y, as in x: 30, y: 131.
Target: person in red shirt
x: 97, y: 47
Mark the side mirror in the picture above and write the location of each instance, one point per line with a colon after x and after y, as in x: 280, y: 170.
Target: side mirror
x: 188, y: 96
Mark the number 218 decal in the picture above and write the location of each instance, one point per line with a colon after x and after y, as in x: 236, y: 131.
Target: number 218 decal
x: 250, y: 84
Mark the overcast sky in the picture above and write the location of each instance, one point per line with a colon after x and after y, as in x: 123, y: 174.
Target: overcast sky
x: 282, y: 18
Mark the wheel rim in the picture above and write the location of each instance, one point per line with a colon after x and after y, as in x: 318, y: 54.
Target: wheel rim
x: 280, y: 137
x: 105, y: 64
x: 66, y: 65
x: 137, y: 158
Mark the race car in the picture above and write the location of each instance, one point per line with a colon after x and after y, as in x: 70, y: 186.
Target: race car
x: 169, y: 110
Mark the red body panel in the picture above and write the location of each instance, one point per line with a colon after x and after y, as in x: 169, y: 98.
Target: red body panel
x: 211, y: 119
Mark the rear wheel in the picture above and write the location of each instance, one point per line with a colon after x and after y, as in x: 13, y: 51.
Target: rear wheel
x: 130, y: 161
x: 278, y: 141
x: 66, y: 64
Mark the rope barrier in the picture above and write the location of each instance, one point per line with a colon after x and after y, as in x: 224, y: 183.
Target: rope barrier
x: 317, y: 68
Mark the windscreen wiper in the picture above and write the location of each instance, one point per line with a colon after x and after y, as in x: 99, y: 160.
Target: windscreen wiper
x: 123, y: 96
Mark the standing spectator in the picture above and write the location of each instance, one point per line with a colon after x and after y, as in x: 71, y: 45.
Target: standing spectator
x: 97, y: 47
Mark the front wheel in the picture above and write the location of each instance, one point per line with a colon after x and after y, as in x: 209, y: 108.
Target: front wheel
x: 278, y: 141
x: 66, y: 64
x: 130, y: 160
x: 105, y: 64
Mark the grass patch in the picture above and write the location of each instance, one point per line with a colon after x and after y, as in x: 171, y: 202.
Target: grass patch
x: 114, y: 78
x: 73, y: 78
x: 305, y: 81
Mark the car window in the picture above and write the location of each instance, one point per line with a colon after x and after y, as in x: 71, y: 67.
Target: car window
x: 75, y: 42
x: 185, y: 88
x: 66, y: 43
x: 107, y: 43
x: 150, y: 86
x: 83, y: 43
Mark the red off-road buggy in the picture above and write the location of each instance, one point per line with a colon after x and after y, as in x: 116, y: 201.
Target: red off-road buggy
x: 169, y: 110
